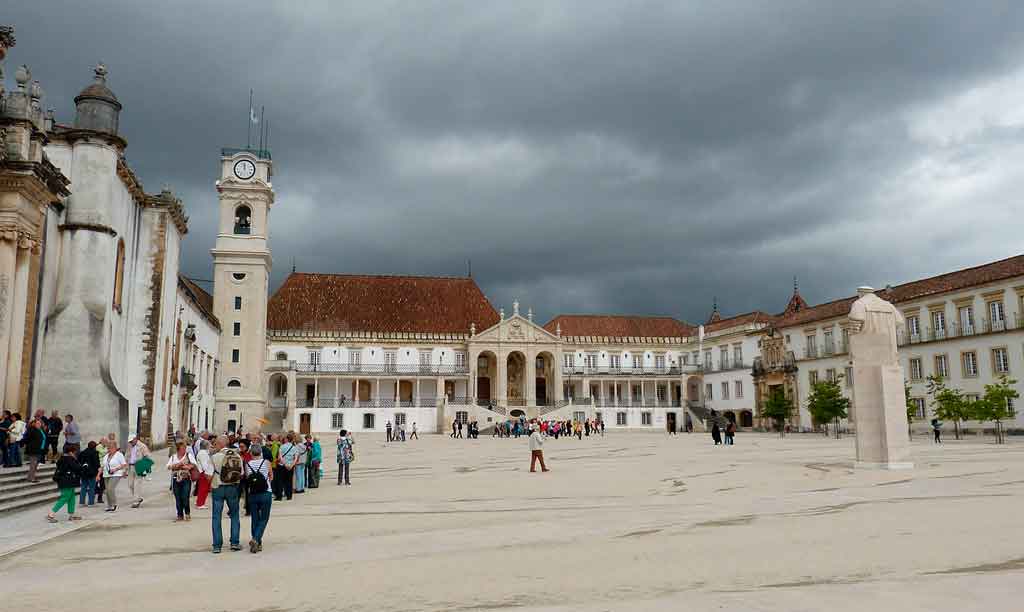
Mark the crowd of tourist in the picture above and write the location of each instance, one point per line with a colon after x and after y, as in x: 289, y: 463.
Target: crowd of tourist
x: 515, y: 427
x: 36, y: 441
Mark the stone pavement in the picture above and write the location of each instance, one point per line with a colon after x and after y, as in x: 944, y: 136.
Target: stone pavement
x: 627, y: 522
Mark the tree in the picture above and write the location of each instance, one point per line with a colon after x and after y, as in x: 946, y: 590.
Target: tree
x: 778, y: 408
x: 827, y: 403
x: 911, y: 409
x: 995, y: 405
x: 949, y: 403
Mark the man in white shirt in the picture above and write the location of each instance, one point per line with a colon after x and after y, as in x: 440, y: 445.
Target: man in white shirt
x: 536, y: 450
x: 137, y: 449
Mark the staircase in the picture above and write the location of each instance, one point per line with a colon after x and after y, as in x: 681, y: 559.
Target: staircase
x: 17, y: 493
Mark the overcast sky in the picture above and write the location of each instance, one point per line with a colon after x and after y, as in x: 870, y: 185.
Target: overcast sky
x: 629, y: 157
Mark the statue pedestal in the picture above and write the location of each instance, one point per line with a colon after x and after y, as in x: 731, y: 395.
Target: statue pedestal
x: 881, y: 417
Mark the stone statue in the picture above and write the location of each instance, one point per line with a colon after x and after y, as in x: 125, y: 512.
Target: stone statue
x: 878, y: 397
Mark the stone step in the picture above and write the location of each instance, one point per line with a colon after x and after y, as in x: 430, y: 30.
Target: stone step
x: 35, y: 499
x: 10, y: 476
x: 10, y: 488
x: 43, y: 486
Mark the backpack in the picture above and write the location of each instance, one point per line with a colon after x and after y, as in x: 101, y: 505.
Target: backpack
x: 231, y: 470
x: 254, y: 481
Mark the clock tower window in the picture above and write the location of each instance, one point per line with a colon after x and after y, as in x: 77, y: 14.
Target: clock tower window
x: 243, y: 220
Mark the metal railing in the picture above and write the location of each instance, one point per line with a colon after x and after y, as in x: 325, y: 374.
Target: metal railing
x: 383, y: 369
x: 957, y: 329
x: 639, y: 371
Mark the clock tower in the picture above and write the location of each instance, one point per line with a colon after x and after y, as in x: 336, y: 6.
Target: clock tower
x: 241, y: 273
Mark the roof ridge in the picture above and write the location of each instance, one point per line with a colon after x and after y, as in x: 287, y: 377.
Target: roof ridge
x: 960, y: 271
x: 416, y: 276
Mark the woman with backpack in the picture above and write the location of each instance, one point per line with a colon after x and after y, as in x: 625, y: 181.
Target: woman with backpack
x: 180, y: 466
x: 257, y: 487
x: 67, y: 476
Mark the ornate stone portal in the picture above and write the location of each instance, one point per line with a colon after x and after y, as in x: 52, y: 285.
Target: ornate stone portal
x: 878, y: 384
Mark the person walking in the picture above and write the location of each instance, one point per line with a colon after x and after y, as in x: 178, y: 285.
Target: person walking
x: 137, y: 451
x: 17, y: 435
x: 316, y: 456
x: 35, y: 447
x: 227, y: 476
x: 67, y: 477
x: 537, y: 450
x: 413, y: 433
x: 89, y: 460
x: 180, y: 466
x: 301, y: 456
x: 5, y: 435
x: 730, y: 433
x: 345, y: 457
x: 71, y: 433
x: 257, y: 485
x: 54, y: 427
x: 388, y: 428
x: 455, y: 425
x: 114, y: 466
x: 716, y: 434
x: 205, y: 465
x: 937, y: 429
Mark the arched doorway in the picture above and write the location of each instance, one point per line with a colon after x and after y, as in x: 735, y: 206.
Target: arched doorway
x: 545, y: 378
x: 516, y: 378
x: 746, y: 418
x: 486, y: 371
x: 277, y: 391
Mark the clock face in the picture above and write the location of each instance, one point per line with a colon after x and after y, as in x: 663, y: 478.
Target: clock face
x: 245, y: 169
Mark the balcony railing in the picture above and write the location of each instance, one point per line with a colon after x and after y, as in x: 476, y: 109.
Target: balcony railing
x: 386, y: 369
x: 638, y: 371
x: 728, y: 366
x: 811, y: 352
x: 958, y: 329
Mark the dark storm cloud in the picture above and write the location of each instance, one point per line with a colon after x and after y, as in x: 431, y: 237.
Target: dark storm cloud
x: 587, y: 156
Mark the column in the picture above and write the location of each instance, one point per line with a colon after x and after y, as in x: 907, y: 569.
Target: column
x: 355, y: 395
x: 530, y: 374
x: 17, y: 316
x: 416, y: 394
x: 502, y: 393
x: 292, y: 394
x: 8, y: 265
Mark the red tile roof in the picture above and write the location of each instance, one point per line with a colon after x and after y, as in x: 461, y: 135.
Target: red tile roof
x: 202, y: 299
x: 743, y: 319
x: 620, y: 326
x: 935, y: 285
x: 415, y: 304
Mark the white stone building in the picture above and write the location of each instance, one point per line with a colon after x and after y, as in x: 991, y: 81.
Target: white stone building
x: 198, y: 335
x: 726, y: 357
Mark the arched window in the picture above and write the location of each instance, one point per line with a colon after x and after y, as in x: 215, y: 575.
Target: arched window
x: 234, y: 384
x: 243, y: 220
x: 119, y: 275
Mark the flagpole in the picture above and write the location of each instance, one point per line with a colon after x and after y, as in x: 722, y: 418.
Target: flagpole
x: 248, y: 123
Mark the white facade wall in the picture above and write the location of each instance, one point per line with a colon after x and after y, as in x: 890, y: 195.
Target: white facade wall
x: 736, y: 376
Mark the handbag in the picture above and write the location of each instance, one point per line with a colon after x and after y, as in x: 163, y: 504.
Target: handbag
x: 143, y: 466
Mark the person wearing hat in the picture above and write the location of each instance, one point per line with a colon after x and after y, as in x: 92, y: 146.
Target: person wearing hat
x: 136, y: 451
x: 536, y: 449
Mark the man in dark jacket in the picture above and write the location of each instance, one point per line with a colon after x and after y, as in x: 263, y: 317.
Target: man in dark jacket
x: 54, y: 425
x: 35, y: 447
x: 5, y: 432
x: 89, y: 459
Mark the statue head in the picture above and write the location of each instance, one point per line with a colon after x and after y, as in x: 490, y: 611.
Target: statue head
x: 864, y: 290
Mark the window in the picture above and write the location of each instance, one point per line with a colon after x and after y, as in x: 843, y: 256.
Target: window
x: 281, y: 356
x: 739, y: 389
x: 235, y: 356
x: 966, y: 315
x: 696, y: 357
x: 238, y: 276
x: 707, y: 360
x: 238, y: 302
x: 232, y: 407
x: 659, y: 362
x: 812, y: 377
x: 424, y: 359
x: 355, y: 358
x: 234, y: 383
x: 996, y: 316
x: 369, y: 421
x: 920, y: 410
x: 939, y: 323
x: 914, y: 327
x: 119, y: 276
x: 660, y: 392
x: 620, y: 418
x: 568, y: 360
x: 685, y: 358
x: 829, y: 345
x: 637, y: 392
x: 232, y: 424
x: 916, y: 373
x: 941, y: 366
x: 725, y: 390
x: 812, y: 345
x: 1010, y: 408
x: 638, y: 362
x: 399, y: 419
x: 462, y: 416
x: 460, y: 360
x: 849, y: 377
x: 723, y: 357
x: 645, y: 418
x: 737, y: 355
x: 337, y: 420
x: 390, y: 359
x: 1000, y: 361
x: 830, y: 375
x: 237, y: 329
x: 707, y: 391
x: 615, y: 361
x: 845, y: 346
x: 243, y: 220
x: 972, y: 397
x: 314, y: 357
x: 590, y: 361
x: 969, y: 361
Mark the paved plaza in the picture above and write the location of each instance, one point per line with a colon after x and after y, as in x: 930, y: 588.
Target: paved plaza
x: 624, y: 522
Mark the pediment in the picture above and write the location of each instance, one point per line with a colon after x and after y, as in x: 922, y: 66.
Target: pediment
x: 516, y: 329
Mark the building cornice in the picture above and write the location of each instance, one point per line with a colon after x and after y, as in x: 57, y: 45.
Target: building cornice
x: 302, y: 335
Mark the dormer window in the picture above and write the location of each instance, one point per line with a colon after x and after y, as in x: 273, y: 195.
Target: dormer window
x: 243, y: 220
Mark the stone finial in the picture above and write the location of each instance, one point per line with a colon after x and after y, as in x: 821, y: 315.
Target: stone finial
x: 529, y: 314
x: 472, y: 329
x: 501, y: 314
x: 100, y: 71
x: 515, y: 308
x: 22, y: 76
x: 558, y: 329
